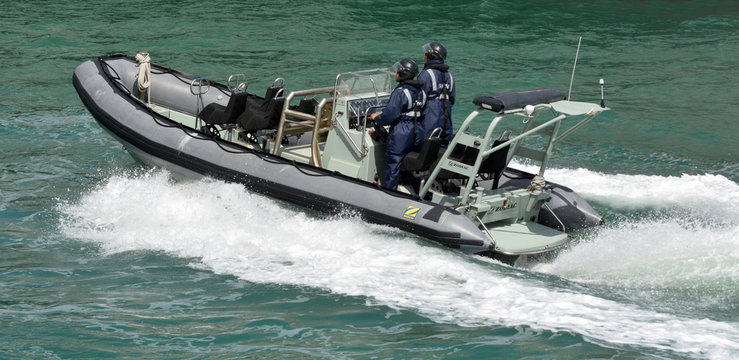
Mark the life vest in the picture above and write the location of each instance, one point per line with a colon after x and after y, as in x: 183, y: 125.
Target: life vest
x: 414, y: 106
x: 440, y: 88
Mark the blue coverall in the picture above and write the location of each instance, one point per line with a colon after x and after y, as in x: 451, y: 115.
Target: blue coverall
x: 403, y: 113
x: 436, y: 77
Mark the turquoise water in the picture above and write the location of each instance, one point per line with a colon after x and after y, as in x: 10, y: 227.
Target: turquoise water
x: 101, y: 258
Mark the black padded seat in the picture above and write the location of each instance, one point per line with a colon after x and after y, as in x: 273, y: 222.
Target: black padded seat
x: 218, y: 114
x: 262, y: 113
x: 518, y: 99
x: 306, y: 105
x: 415, y: 164
x: 495, y: 163
x: 422, y: 160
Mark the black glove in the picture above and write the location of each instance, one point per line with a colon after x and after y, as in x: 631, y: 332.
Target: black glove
x: 379, y: 134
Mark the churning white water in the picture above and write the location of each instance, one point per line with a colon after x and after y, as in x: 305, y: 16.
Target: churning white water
x: 228, y: 230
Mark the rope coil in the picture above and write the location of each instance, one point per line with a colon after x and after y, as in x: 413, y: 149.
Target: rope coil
x: 537, y: 185
x: 144, y: 75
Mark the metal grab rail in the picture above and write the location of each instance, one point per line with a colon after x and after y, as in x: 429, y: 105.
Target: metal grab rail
x: 315, y: 151
x: 364, y: 126
x: 362, y: 152
x: 287, y: 112
x: 197, y: 83
x: 530, y: 128
x: 239, y: 86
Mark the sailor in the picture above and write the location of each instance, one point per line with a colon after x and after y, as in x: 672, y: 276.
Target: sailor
x: 403, y: 113
x: 439, y: 85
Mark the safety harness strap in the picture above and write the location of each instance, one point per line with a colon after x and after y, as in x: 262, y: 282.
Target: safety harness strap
x: 414, y: 109
x: 415, y: 106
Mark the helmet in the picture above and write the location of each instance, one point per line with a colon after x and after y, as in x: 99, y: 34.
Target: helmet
x: 406, y: 69
x: 435, y: 51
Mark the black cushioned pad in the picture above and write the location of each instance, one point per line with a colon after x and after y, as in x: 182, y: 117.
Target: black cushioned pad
x: 518, y: 99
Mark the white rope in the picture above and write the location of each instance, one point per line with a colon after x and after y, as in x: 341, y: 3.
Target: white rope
x: 144, y: 75
x: 537, y: 185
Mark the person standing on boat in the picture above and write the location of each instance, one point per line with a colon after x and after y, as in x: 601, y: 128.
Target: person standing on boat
x: 439, y: 85
x: 403, y: 113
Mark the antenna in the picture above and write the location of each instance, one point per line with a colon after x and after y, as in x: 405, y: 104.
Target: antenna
x: 569, y: 93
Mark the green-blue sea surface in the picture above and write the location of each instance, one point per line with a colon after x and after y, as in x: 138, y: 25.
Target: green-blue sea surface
x: 103, y: 258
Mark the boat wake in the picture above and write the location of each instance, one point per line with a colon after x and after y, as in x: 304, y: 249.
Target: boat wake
x: 712, y: 195
x: 228, y: 230
x: 675, y: 249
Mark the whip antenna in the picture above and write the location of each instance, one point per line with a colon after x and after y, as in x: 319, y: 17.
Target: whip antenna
x: 573, y: 68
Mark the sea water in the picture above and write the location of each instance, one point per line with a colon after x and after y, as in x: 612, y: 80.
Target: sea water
x: 101, y: 257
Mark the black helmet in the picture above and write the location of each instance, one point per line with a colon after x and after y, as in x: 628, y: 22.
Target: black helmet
x: 435, y: 51
x: 406, y: 69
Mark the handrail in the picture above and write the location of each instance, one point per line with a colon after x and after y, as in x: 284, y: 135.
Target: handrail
x: 533, y: 128
x: 362, y: 152
x: 238, y: 86
x: 364, y: 125
x: 523, y: 135
x: 448, y: 151
x: 329, y: 90
x: 574, y: 127
x: 197, y: 83
x: 315, y: 151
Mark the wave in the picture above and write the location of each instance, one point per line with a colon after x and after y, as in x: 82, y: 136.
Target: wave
x: 228, y: 230
x: 714, y: 194
x: 663, y: 263
x: 678, y: 250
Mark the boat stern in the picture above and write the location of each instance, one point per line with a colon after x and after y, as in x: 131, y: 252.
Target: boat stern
x: 527, y: 238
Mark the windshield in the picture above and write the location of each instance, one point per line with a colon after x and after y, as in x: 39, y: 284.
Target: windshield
x: 373, y: 82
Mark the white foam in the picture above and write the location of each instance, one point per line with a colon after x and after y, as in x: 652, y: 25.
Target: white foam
x: 711, y: 193
x: 4, y: 202
x: 234, y: 232
x: 655, y: 254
